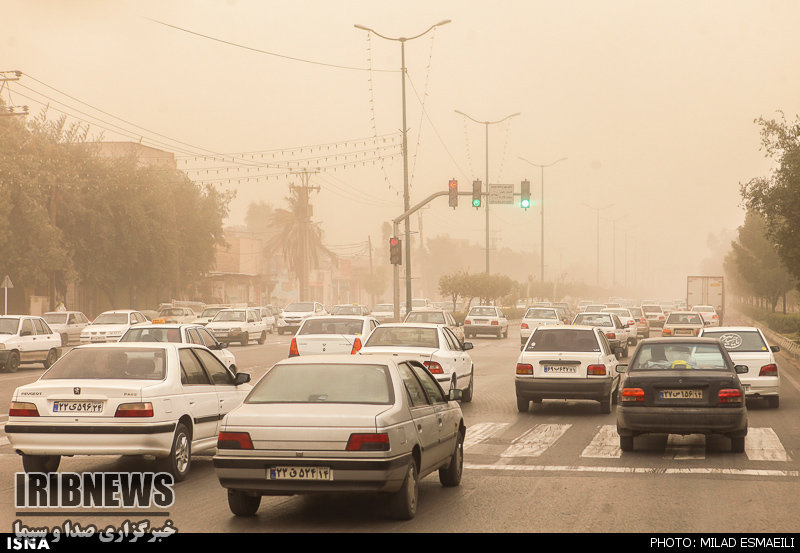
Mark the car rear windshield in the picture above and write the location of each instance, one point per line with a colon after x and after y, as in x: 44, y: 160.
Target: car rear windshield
x: 684, y: 319
x: 619, y: 312
x: 109, y: 363
x: 55, y: 318
x: 678, y: 356
x: 152, y: 335
x: 636, y: 311
x: 652, y: 309
x: 412, y: 337
x: 483, y: 311
x: 739, y: 340
x: 541, y: 314
x: 702, y: 309
x: 324, y: 383
x: 563, y: 340
x: 210, y: 312
x: 331, y: 326
x: 593, y: 319
x: 111, y: 319
x: 423, y: 317
x: 347, y: 310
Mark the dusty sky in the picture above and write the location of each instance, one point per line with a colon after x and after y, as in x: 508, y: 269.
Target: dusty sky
x: 651, y: 102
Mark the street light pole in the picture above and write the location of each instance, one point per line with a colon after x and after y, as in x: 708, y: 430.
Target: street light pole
x: 406, y: 196
x: 597, y: 210
x: 486, y: 133
x: 541, y: 252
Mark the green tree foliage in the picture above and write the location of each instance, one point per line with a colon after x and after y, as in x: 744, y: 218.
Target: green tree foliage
x: 485, y: 287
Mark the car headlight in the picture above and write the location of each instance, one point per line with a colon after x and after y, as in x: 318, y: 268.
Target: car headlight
x: 2, y: 346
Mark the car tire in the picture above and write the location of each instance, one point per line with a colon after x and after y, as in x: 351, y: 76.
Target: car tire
x: 450, y: 477
x: 466, y: 393
x: 523, y: 404
x: 243, y: 504
x: 737, y: 444
x: 245, y: 339
x: 505, y: 334
x: 262, y: 338
x: 773, y: 402
x: 12, y: 363
x: 606, y: 402
x: 52, y: 357
x: 404, y: 501
x: 64, y: 340
x: 40, y: 463
x: 626, y: 443
x: 180, y: 456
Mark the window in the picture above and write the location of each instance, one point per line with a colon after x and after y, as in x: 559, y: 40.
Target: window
x: 334, y: 325
x: 566, y: 340
x: 452, y: 341
x: 207, y: 338
x: 109, y: 363
x: 428, y: 383
x: 27, y: 328
x: 219, y: 374
x: 40, y: 327
x: 192, y: 372
x: 194, y: 337
x: 73, y: 319
x: 739, y: 340
x: 416, y: 394
x: 413, y: 337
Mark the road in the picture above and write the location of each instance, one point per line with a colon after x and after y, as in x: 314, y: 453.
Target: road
x: 557, y: 468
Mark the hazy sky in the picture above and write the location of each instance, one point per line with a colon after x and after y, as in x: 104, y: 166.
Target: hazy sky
x: 651, y: 102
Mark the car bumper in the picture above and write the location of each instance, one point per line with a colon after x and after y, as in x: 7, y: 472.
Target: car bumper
x: 754, y: 388
x: 348, y: 475
x: 85, y: 439
x: 681, y: 420
x: 563, y: 388
x: 484, y: 329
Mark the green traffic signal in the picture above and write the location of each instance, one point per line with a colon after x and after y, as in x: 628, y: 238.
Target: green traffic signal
x: 525, y: 203
x: 476, y: 202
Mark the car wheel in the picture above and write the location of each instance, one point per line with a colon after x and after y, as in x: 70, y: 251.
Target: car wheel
x: 245, y: 339
x: 522, y: 404
x: 12, y: 363
x: 52, y: 357
x: 263, y: 338
x: 40, y: 463
x: 404, y: 501
x: 180, y: 457
x: 64, y: 340
x: 450, y: 477
x: 243, y: 504
x: 773, y: 401
x: 466, y: 394
x: 606, y: 402
x: 505, y: 334
x: 626, y: 443
x: 737, y: 444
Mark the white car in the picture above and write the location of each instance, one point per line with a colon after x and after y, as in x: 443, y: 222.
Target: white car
x: 69, y: 324
x: 238, y: 325
x: 611, y: 326
x: 437, y: 317
x: 384, y: 312
x: 567, y: 362
x: 434, y: 345
x: 654, y: 313
x: 181, y: 334
x: 26, y: 339
x: 351, y: 309
x: 176, y: 315
x: 535, y: 317
x: 683, y: 323
x: 485, y: 319
x: 709, y: 314
x: 748, y: 346
x: 628, y: 321
x: 111, y: 325
x: 269, y: 318
x: 165, y: 400
x: 208, y: 314
x: 331, y: 334
x: 294, y: 313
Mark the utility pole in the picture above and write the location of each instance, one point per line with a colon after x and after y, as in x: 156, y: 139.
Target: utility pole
x: 597, y: 210
x: 304, y: 214
x: 11, y: 111
x: 371, y: 273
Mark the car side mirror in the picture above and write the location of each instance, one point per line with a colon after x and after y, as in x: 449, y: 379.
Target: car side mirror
x: 775, y: 349
x: 622, y: 368
x: 241, y: 378
x: 468, y: 346
x: 222, y: 345
x: 454, y: 395
x: 741, y: 369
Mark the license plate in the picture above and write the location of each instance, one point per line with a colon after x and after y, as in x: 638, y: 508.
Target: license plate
x: 77, y: 407
x: 299, y: 473
x: 98, y: 338
x: 561, y: 369
x: 480, y: 321
x: 746, y: 387
x: 684, y: 333
x: 681, y: 394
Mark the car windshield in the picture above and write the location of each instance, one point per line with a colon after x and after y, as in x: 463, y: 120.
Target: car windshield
x: 436, y: 318
x: 619, y: 312
x: 231, y: 316
x: 563, y: 340
x: 211, y: 312
x: 652, y: 309
x: 684, y: 319
x: 111, y: 319
x: 8, y: 325
x: 412, y: 337
x: 347, y: 310
x: 324, y: 383
x: 55, y: 318
x: 594, y: 319
x: 171, y: 312
x: 541, y: 314
x: 152, y: 335
x: 303, y: 306
x: 678, y: 356
x: 483, y: 311
x: 109, y: 363
x: 739, y: 340
x: 331, y: 326
x: 636, y: 311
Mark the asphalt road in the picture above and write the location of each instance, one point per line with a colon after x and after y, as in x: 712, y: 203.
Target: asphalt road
x: 556, y: 468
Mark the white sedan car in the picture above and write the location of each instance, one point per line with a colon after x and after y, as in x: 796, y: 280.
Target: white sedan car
x: 111, y: 325
x: 165, y: 400
x: 331, y: 334
x: 628, y: 321
x: 748, y: 346
x: 535, y: 317
x: 485, y: 319
x: 708, y: 313
x: 26, y: 339
x: 182, y: 334
x: 434, y: 345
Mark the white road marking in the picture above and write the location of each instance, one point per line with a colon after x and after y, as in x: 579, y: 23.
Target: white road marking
x: 762, y: 444
x: 480, y: 432
x: 638, y: 470
x: 535, y: 441
x: 605, y: 444
x: 685, y: 448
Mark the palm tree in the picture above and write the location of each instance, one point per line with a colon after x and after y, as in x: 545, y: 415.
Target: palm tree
x: 298, y: 238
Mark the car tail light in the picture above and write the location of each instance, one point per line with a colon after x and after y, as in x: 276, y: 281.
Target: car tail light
x: 666, y: 332
x: 715, y: 317
x: 368, y: 442
x: 467, y: 322
x: 632, y: 394
x: 596, y: 370
x: 643, y: 320
x: 356, y: 346
x: 136, y: 410
x: 234, y: 440
x: 524, y: 368
x: 21, y: 409
x: 611, y: 335
x: 524, y: 325
x: 768, y: 370
x: 697, y: 332
x: 433, y: 367
x: 730, y: 395
x: 495, y: 323
x: 293, y: 351
x: 661, y: 317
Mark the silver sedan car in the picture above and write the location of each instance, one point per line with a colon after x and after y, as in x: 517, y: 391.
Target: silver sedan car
x: 341, y: 424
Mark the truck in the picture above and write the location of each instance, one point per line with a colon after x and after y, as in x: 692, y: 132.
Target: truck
x: 706, y: 290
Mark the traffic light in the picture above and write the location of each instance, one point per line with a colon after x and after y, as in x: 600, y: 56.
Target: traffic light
x: 453, y: 190
x: 476, y: 193
x: 525, y: 194
x: 395, y: 251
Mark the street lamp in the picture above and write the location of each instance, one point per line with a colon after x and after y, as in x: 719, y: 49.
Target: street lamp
x: 486, y: 126
x: 406, y: 198
x: 597, y: 209
x: 541, y: 253
x: 614, y: 249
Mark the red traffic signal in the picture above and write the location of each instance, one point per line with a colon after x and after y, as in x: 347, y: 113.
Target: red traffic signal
x: 395, y: 251
x: 452, y: 189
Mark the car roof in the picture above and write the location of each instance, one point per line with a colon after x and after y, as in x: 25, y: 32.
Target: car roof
x: 410, y: 325
x: 126, y: 311
x: 731, y: 329
x: 341, y: 359
x: 136, y: 345
x: 167, y: 325
x: 562, y: 327
x: 679, y: 340
x: 339, y: 317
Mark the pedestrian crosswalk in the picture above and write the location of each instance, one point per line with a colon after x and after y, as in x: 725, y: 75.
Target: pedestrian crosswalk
x: 507, y: 442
